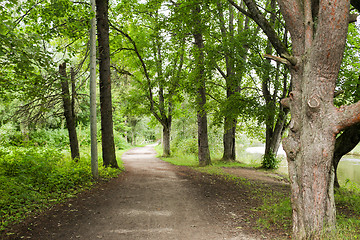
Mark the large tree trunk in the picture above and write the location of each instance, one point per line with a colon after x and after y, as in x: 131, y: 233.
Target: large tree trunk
x: 315, y: 121
x: 69, y: 112
x: 203, y: 144
x: 318, y: 32
x: 108, y: 146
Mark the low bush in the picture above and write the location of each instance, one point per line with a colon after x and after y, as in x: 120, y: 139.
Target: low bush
x: 185, y: 146
x: 270, y: 161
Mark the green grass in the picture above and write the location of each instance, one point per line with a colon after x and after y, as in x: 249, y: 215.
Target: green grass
x: 185, y: 160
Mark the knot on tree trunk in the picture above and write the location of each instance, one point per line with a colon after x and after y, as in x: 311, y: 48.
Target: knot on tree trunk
x: 286, y: 102
x: 291, y: 147
x: 313, y: 103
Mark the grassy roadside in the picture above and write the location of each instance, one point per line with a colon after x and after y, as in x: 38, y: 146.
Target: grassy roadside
x: 275, y: 211
x: 34, y: 178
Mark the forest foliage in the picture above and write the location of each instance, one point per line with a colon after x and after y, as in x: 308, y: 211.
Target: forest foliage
x: 157, y: 74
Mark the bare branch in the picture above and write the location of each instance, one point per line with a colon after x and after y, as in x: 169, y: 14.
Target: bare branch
x: 277, y: 59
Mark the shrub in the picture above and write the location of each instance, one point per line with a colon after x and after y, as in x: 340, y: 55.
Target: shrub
x: 270, y: 161
x: 9, y: 135
x: 185, y: 146
x: 50, y: 137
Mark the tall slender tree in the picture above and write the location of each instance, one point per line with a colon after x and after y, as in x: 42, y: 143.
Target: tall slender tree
x: 199, y: 57
x: 276, y: 114
x: 93, y: 122
x: 69, y: 112
x: 107, y: 133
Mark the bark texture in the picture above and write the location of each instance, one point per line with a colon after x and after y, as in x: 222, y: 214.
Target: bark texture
x: 108, y: 145
x: 229, y: 139
x: 69, y: 112
x: 203, y: 143
x: 318, y: 31
x: 166, y: 141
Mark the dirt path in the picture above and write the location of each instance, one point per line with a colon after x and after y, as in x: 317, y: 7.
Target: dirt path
x: 152, y: 200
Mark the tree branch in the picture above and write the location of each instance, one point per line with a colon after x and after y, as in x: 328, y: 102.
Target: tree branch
x: 243, y: 11
x: 293, y: 14
x: 258, y: 17
x: 146, y: 73
x: 347, y: 116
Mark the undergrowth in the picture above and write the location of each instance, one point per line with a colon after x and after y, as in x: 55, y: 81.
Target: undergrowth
x: 32, y: 178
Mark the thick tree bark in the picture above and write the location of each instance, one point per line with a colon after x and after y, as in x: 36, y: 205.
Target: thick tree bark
x: 318, y: 32
x: 108, y: 145
x: 229, y: 139
x: 69, y: 112
x: 203, y: 144
x: 318, y: 35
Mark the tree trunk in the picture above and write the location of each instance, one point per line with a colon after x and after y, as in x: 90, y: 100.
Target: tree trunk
x: 203, y: 144
x: 166, y: 141
x: 229, y: 139
x: 68, y: 113
x: 318, y: 32
x: 93, y: 121
x: 108, y: 145
x: 231, y: 80
x: 318, y: 50
x: 274, y: 122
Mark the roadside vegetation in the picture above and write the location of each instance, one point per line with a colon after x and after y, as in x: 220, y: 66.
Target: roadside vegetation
x: 38, y: 172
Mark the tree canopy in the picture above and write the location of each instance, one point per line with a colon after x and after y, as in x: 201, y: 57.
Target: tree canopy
x: 203, y: 72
